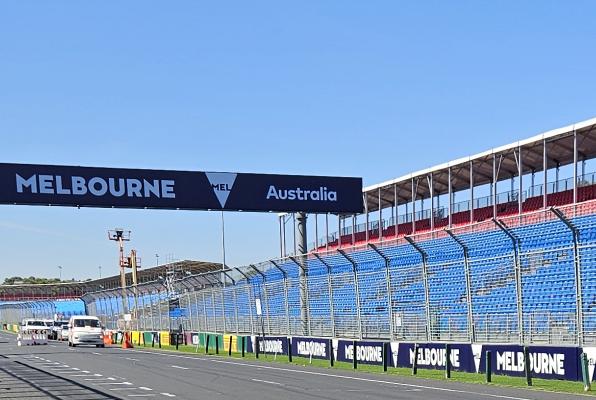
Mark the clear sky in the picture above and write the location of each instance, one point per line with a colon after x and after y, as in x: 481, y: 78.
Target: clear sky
x: 371, y: 89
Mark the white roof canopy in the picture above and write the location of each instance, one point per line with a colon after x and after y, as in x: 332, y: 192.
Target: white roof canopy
x: 559, y: 149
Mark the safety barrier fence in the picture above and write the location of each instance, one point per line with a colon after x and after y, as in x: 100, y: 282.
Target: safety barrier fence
x: 573, y: 363
x: 528, y: 279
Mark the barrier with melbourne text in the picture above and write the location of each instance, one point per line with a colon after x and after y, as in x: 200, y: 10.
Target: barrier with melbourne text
x: 310, y: 347
x: 268, y: 344
x: 550, y: 362
x: 367, y: 352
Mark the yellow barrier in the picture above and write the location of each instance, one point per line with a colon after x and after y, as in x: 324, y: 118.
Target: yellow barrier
x: 226, y: 339
x: 135, y: 337
x: 164, y: 338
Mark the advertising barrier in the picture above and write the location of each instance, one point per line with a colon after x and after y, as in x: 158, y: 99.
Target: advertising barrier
x: 367, y: 352
x: 270, y: 344
x: 310, y: 347
x: 549, y: 362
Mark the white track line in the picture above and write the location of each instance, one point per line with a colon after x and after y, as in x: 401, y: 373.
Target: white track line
x: 179, y: 367
x: 354, y: 378
x: 269, y: 382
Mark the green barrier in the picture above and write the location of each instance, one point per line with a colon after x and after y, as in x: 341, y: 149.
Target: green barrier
x: 147, y: 337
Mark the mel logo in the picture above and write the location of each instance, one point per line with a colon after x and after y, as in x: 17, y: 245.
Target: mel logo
x: 221, y: 183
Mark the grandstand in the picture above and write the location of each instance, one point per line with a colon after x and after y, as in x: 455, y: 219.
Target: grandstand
x: 515, y: 266
x: 64, y: 299
x: 510, y: 269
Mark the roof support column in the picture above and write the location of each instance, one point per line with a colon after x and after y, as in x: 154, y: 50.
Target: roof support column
x: 471, y: 193
x: 316, y: 232
x: 366, y: 215
x: 380, y: 217
x: 494, y: 186
x: 326, y: 231
x: 574, y: 166
x: 432, y: 201
x: 545, y: 171
x: 396, y: 211
x: 339, y: 231
x: 450, y: 196
x: 413, y: 207
x: 520, y: 171
x: 282, y: 235
x: 353, y: 230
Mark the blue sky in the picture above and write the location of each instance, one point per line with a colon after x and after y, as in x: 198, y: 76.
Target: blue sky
x: 371, y: 89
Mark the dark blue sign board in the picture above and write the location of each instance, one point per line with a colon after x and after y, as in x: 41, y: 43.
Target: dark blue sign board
x: 186, y: 190
x: 270, y: 344
x: 366, y: 352
x: 311, y: 347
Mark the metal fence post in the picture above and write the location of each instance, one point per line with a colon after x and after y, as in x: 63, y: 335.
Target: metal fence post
x: 265, y: 297
x: 330, y: 293
x: 213, y: 308
x: 388, y: 288
x: 286, y: 304
x: 357, y: 294
x: 204, y: 311
x: 425, y: 283
x: 578, y: 278
x: 518, y: 283
x: 304, y: 301
x: 236, y: 309
x: 468, y: 275
x: 248, y: 296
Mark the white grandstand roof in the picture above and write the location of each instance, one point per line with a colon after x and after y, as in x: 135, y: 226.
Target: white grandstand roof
x: 559, y: 148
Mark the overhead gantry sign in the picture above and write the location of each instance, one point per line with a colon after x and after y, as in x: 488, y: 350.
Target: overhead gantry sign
x: 32, y: 184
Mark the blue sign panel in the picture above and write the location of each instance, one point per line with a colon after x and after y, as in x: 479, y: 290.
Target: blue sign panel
x: 366, y: 352
x: 190, y: 190
x: 311, y: 347
x: 270, y: 344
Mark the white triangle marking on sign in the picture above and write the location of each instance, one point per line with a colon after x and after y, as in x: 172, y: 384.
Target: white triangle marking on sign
x: 394, y: 352
x: 591, y: 353
x: 334, y: 343
x: 477, y: 354
x: 221, y: 183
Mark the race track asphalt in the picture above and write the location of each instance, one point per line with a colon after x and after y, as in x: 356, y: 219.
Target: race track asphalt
x: 55, y: 371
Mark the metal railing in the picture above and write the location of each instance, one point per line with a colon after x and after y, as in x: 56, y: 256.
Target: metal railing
x: 528, y: 278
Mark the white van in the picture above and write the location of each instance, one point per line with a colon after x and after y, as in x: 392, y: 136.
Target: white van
x: 85, y: 329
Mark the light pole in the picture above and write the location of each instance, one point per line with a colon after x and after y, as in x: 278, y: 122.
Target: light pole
x: 60, y: 269
x: 99, y: 272
x: 120, y: 235
x: 156, y: 259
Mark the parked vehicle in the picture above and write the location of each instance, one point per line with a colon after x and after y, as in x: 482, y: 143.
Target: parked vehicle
x: 85, y: 329
x: 56, y: 329
x: 63, y: 333
x: 33, y: 324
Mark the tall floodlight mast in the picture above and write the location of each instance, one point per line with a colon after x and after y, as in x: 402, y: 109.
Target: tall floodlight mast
x: 120, y: 235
